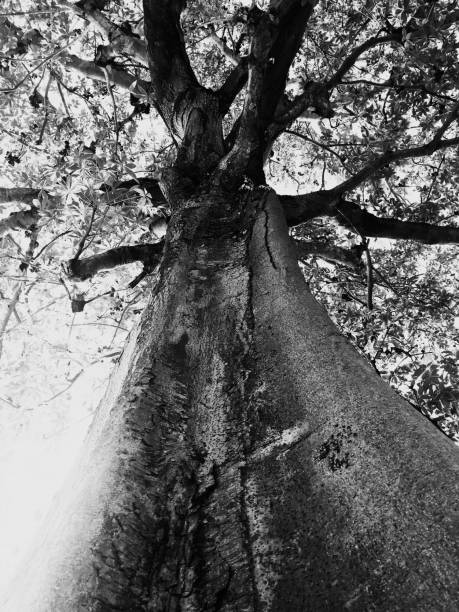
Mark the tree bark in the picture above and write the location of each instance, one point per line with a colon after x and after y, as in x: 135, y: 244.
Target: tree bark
x: 246, y: 457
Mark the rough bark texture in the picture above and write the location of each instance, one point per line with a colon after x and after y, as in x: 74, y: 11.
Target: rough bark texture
x: 246, y: 458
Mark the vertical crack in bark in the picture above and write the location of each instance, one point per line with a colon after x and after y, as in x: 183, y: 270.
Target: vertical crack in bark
x: 268, y: 247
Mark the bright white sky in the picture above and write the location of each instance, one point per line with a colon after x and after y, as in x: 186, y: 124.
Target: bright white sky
x: 36, y: 454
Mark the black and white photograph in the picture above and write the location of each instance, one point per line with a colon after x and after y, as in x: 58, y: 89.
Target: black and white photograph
x: 229, y: 306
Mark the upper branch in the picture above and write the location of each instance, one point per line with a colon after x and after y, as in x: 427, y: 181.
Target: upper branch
x: 233, y: 84
x: 354, y: 56
x: 292, y: 17
x: 228, y: 53
x: 275, y: 37
x: 170, y: 66
x: 389, y: 156
x: 191, y: 112
x: 316, y: 95
x: 424, y: 23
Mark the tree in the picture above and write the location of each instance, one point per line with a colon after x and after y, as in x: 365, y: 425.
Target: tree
x: 246, y: 457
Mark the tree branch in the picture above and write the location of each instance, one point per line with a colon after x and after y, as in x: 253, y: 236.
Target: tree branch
x: 170, y: 66
x: 120, y: 41
x: 22, y: 219
x: 117, y: 77
x: 317, y: 144
x: 392, y: 84
x: 190, y: 111
x: 280, y: 42
x: 399, y: 35
x: 302, y: 208
x: 82, y: 269
x: 25, y: 195
x: 354, y: 56
x: 353, y: 217
x: 235, y: 81
x: 228, y: 53
x: 293, y: 17
x: 319, y: 100
x: 275, y: 38
x: 390, y: 156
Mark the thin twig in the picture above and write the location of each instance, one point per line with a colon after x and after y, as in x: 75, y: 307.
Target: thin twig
x: 47, y: 59
x: 369, y: 266
x: 50, y: 243
x: 61, y: 93
x: 45, y: 108
x: 115, y: 113
x: 81, y: 244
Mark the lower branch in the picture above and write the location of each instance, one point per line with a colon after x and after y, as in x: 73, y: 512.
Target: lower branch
x: 18, y: 194
x: 302, y: 208
x: 355, y: 218
x: 82, y: 269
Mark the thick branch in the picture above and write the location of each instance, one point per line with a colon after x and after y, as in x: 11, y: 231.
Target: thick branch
x: 235, y: 81
x: 279, y: 43
x: 191, y: 112
x: 275, y: 38
x: 293, y: 18
x: 18, y: 194
x: 355, y: 218
x: 117, y: 77
x: 170, y: 68
x: 82, y: 269
x: 302, y: 208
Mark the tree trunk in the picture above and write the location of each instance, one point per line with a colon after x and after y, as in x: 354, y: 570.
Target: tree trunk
x: 246, y: 457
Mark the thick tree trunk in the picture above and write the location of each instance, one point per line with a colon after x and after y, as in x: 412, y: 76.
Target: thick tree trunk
x: 246, y: 457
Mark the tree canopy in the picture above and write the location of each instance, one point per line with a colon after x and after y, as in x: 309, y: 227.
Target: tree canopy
x: 363, y: 147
